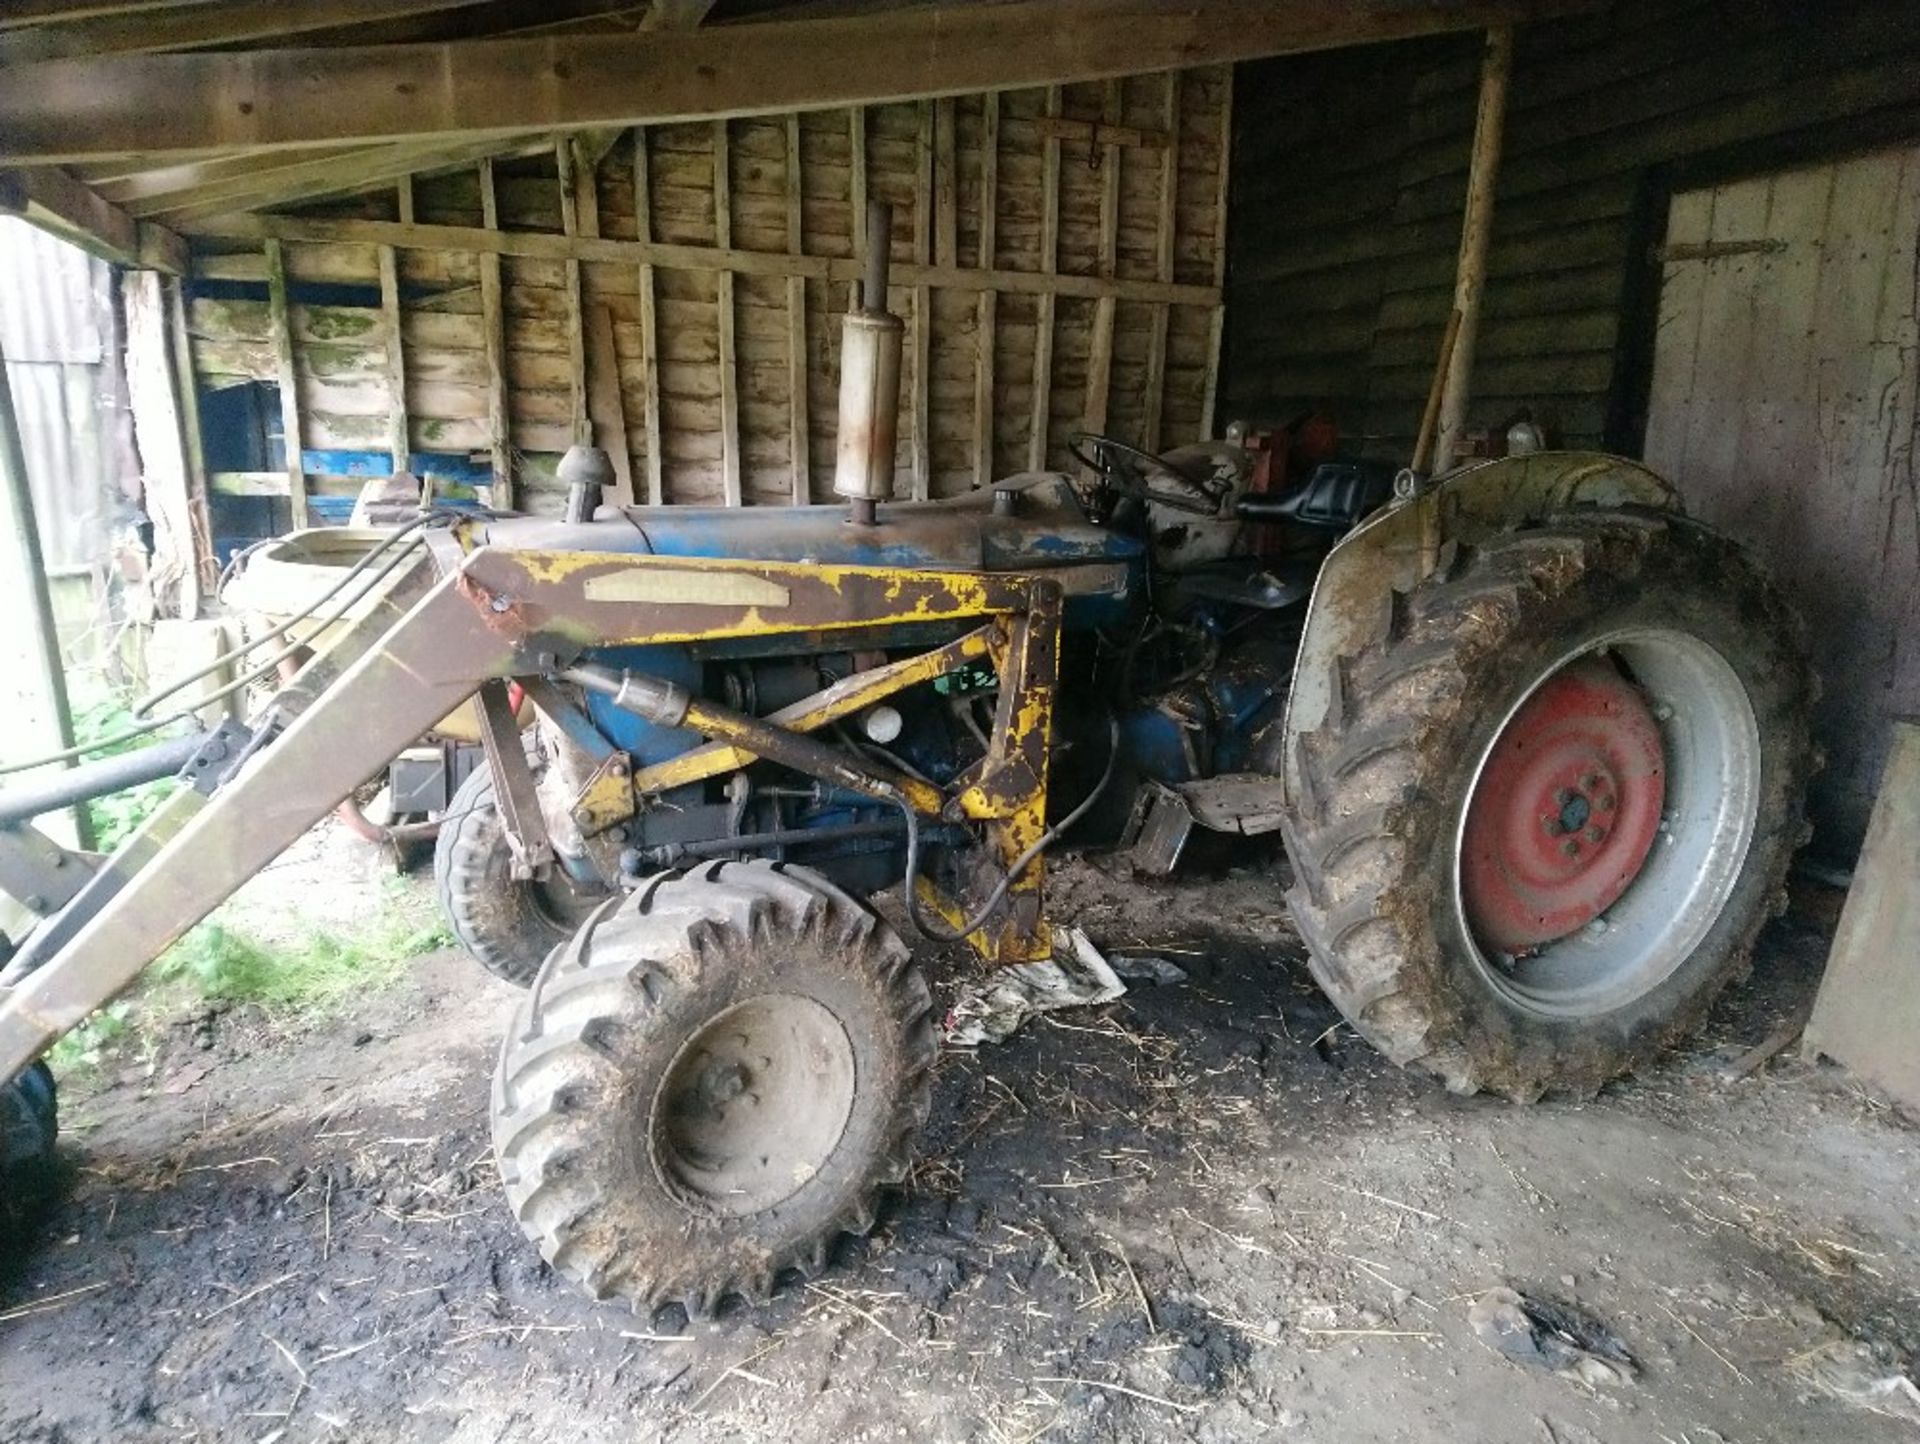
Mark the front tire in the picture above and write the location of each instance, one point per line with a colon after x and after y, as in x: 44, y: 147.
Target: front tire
x: 710, y: 1083
x: 1452, y: 936
x: 29, y: 1126
x: 509, y: 924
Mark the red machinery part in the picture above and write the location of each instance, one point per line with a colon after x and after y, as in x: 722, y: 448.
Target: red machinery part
x: 1565, y: 811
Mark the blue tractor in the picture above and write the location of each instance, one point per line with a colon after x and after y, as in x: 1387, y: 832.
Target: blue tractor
x: 1535, y: 744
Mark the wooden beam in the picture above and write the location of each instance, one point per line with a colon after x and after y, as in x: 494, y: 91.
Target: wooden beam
x: 799, y: 416
x: 1217, y: 323
x: 282, y: 327
x: 724, y: 315
x: 54, y: 201
x: 399, y: 444
x: 1042, y: 390
x: 1099, y: 397
x: 210, y: 101
x: 919, y: 450
x: 1166, y: 225
x: 986, y: 308
x: 545, y: 246
x: 493, y: 330
x: 284, y: 177
x: 198, y: 26
x: 403, y: 199
x: 1092, y: 135
x: 649, y: 323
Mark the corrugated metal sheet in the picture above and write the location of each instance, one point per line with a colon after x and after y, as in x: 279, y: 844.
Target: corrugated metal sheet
x: 56, y: 327
x: 54, y: 298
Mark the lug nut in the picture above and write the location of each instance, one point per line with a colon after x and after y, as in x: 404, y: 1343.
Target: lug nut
x: 1605, y: 804
x: 1590, y: 781
x: 1570, y: 848
x: 1563, y: 797
x: 1596, y: 834
x: 1553, y: 826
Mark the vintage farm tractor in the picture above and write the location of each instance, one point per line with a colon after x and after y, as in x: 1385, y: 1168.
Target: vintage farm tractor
x: 1535, y: 743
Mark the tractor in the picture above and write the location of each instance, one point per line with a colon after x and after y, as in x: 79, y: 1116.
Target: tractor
x: 1534, y: 743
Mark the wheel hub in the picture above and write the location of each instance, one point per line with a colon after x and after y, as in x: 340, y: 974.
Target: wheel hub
x: 753, y: 1105
x: 1566, y: 809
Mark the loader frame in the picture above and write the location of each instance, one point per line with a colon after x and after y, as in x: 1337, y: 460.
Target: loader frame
x: 479, y: 616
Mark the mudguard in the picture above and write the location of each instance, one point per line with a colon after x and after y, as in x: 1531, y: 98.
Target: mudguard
x: 1392, y: 550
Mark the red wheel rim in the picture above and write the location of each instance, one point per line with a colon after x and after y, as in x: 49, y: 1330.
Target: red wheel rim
x: 1565, y: 811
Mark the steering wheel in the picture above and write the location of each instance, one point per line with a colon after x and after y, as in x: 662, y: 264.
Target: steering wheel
x: 1126, y: 470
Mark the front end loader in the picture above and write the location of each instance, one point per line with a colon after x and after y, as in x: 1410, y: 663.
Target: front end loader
x: 1534, y: 741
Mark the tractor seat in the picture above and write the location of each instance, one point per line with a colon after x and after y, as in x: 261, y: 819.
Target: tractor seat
x: 1336, y: 496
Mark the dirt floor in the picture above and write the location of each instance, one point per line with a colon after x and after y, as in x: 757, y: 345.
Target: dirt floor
x: 1203, y: 1212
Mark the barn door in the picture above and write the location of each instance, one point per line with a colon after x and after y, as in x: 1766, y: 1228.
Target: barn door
x: 1783, y: 406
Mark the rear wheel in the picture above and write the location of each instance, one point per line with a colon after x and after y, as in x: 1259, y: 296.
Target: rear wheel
x: 1555, y: 803
x: 509, y: 924
x: 710, y: 1083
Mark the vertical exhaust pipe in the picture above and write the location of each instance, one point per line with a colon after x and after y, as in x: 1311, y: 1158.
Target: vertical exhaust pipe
x: 870, y: 342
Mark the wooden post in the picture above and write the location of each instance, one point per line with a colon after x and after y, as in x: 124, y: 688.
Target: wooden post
x: 724, y: 313
x: 1476, y: 232
x: 1037, y: 422
x: 1165, y: 229
x: 493, y: 330
x: 572, y: 222
x: 398, y: 434
x: 649, y: 323
x: 187, y: 390
x: 30, y: 570
x: 280, y: 319
x: 986, y: 314
x: 1100, y: 345
x: 1217, y: 323
x: 799, y: 423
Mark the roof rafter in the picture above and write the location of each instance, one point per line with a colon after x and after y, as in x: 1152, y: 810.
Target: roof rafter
x: 56, y: 202
x: 85, y: 109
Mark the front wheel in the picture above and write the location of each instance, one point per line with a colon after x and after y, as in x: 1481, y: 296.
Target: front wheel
x: 29, y: 1125
x: 1556, y: 802
x: 710, y: 1083
x: 509, y: 924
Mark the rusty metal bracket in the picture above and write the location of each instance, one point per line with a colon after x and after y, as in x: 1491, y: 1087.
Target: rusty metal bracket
x: 607, y: 797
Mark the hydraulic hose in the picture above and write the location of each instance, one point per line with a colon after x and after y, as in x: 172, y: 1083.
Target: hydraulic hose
x: 969, y: 925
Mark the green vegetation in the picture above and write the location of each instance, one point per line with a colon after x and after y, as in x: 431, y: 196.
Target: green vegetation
x: 115, y: 816
x: 317, y: 969
x: 307, y: 975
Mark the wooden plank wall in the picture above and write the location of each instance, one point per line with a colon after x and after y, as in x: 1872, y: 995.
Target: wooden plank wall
x: 1349, y: 172
x: 728, y: 366
x: 1784, y: 398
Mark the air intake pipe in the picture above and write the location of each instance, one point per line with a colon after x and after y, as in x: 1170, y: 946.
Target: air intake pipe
x: 870, y: 337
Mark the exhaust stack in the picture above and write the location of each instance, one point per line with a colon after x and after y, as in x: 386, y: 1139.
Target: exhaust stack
x: 870, y: 339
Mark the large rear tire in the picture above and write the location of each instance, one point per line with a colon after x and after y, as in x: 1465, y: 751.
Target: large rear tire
x: 710, y: 1083
x: 1469, y: 903
x: 509, y: 924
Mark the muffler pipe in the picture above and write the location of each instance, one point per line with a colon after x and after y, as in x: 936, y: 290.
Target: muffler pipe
x: 870, y: 349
